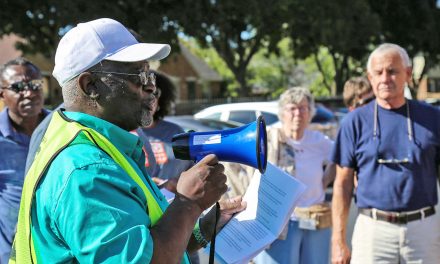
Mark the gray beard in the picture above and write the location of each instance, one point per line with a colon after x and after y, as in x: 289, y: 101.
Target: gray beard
x: 146, y: 118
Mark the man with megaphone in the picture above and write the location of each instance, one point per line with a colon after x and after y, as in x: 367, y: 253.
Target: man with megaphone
x: 87, y: 197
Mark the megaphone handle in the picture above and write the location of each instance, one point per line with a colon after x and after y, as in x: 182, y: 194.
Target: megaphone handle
x: 214, y: 234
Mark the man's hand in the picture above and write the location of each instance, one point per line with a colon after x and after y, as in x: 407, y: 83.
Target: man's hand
x: 204, y: 183
x: 340, y: 252
x: 228, y: 208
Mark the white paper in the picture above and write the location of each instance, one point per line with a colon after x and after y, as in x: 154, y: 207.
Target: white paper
x: 271, y: 199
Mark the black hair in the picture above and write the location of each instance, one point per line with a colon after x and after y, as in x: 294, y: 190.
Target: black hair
x: 167, y: 97
x: 20, y: 61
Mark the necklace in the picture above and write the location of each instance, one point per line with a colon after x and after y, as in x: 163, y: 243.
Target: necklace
x: 408, y: 121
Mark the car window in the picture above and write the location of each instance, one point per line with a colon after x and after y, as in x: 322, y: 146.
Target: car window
x: 215, y: 124
x: 323, y: 115
x: 215, y: 116
x: 243, y: 117
x: 269, y: 118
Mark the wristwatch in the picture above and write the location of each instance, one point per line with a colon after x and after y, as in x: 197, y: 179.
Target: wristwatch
x: 200, y: 238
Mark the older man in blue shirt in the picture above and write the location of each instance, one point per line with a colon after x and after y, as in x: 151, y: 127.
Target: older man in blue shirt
x: 22, y: 95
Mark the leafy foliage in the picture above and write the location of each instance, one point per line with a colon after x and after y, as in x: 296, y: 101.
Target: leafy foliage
x: 332, y: 37
x: 43, y: 22
x: 415, y: 25
x: 236, y: 29
x: 213, y: 59
x: 344, y: 27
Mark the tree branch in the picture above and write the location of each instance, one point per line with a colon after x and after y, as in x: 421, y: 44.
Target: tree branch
x: 321, y: 69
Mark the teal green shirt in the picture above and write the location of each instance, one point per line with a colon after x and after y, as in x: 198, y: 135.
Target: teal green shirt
x: 87, y: 209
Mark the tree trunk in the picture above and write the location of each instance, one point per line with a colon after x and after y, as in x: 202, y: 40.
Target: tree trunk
x: 240, y: 76
x: 341, y: 72
x: 321, y: 69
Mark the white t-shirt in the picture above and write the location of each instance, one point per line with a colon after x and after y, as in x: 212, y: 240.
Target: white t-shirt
x: 312, y: 152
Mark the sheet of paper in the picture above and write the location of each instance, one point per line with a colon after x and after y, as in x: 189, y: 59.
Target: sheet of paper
x: 271, y: 199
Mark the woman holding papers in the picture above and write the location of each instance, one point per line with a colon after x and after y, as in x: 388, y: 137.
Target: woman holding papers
x: 304, y: 154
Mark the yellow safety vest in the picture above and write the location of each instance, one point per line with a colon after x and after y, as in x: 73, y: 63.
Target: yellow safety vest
x: 60, y: 133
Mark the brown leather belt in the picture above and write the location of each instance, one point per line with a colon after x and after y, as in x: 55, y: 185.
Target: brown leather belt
x: 397, y: 218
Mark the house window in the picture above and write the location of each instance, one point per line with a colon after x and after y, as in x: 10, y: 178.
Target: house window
x: 191, y: 85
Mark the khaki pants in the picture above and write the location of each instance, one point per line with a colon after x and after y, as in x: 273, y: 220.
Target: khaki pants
x: 377, y: 241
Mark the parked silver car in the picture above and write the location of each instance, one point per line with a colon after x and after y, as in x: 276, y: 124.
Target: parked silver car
x: 189, y: 123
x: 324, y: 119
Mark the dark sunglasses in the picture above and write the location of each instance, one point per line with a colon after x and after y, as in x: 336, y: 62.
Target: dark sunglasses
x: 18, y: 87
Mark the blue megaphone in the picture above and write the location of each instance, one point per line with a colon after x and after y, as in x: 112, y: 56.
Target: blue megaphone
x: 246, y: 145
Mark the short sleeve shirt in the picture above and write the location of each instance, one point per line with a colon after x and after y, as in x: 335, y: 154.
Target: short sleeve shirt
x: 13, y: 150
x: 395, y: 186
x: 157, y: 140
x: 87, y: 208
x: 304, y: 159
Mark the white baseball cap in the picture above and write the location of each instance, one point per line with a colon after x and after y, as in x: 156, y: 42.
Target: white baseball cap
x: 89, y: 43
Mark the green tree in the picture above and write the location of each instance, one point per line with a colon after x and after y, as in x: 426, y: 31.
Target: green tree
x: 346, y: 28
x: 342, y: 30
x: 42, y: 22
x: 280, y: 70
x: 213, y: 59
x: 321, y: 73
x: 236, y: 29
x: 414, y: 25
x: 37, y: 22
x: 276, y: 71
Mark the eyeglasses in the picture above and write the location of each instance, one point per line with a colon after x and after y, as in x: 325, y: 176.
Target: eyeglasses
x: 302, y: 109
x: 376, y: 138
x: 21, y: 86
x: 145, y: 78
x: 382, y: 160
x: 392, y: 161
x: 364, y: 101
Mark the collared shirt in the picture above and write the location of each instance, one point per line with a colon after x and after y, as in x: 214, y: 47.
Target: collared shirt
x: 87, y: 208
x: 13, y: 150
x: 37, y: 136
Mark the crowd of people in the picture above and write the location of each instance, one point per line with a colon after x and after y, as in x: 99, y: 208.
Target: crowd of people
x: 83, y: 183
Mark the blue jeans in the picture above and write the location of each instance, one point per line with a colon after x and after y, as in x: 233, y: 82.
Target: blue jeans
x: 301, y: 246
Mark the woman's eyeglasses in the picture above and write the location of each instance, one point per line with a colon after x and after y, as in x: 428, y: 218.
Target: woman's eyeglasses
x: 18, y: 87
x: 301, y: 109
